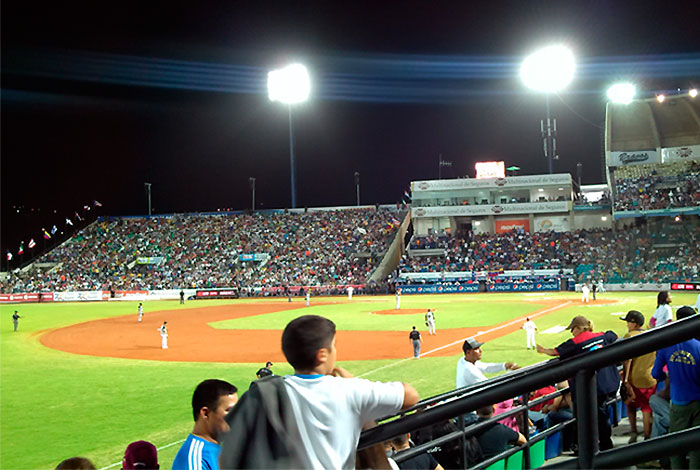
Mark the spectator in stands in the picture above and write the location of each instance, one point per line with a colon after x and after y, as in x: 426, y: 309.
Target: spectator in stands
x: 422, y: 461
x: 140, y: 455
x: 329, y: 406
x: 663, y: 313
x: 470, y: 368
x: 637, y: 379
x: 683, y: 363
x: 212, y: 400
x: 608, y: 379
x: 495, y: 439
x: 76, y: 463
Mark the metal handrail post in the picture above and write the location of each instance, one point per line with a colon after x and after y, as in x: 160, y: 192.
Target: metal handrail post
x: 586, y: 417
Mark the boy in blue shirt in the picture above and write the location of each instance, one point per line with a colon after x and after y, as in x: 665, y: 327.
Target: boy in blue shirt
x: 212, y: 401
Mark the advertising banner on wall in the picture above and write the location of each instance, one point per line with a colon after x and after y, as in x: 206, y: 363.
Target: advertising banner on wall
x: 555, y: 223
x: 674, y: 154
x: 685, y: 286
x: 492, y: 209
x: 524, y: 286
x: 507, y: 225
x: 82, y: 296
x: 560, y: 179
x: 633, y: 157
x: 435, y: 289
x: 19, y: 298
x: 216, y: 294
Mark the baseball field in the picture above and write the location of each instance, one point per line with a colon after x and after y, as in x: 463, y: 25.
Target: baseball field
x: 86, y: 378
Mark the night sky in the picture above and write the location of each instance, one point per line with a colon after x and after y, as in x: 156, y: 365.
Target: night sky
x: 99, y: 98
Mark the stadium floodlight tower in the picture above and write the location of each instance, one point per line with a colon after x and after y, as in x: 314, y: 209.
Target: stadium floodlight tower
x: 548, y: 70
x: 289, y: 85
x: 622, y: 93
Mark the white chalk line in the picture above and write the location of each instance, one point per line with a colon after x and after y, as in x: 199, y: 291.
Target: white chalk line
x: 158, y: 449
x: 480, y: 333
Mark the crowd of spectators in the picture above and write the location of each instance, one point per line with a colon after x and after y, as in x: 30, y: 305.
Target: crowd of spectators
x: 303, y: 249
x: 662, y: 188
x: 630, y: 255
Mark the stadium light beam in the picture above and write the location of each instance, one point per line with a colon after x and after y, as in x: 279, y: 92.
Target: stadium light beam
x: 693, y: 92
x: 549, y: 70
x: 622, y: 93
x: 290, y: 85
x: 661, y: 98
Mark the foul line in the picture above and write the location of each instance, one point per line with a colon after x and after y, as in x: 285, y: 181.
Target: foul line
x: 480, y: 333
x: 157, y: 449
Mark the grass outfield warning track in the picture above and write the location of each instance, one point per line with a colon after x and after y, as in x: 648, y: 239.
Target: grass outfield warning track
x: 57, y: 405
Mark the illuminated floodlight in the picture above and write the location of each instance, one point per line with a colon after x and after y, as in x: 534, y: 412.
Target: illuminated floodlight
x: 693, y: 92
x: 289, y: 85
x: 548, y: 70
x: 661, y: 98
x: 622, y: 93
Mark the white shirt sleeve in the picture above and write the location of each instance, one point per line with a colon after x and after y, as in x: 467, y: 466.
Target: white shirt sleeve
x: 469, y: 374
x: 376, y: 399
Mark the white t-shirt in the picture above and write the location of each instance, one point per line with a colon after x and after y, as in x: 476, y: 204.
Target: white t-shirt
x: 529, y: 326
x: 469, y: 374
x: 331, y: 410
x: 663, y: 315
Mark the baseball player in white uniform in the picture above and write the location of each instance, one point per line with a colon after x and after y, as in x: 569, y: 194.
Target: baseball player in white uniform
x: 398, y: 299
x: 584, y: 293
x: 430, y: 322
x: 163, y: 335
x: 140, y: 312
x: 308, y: 297
x: 350, y: 291
x: 530, y: 329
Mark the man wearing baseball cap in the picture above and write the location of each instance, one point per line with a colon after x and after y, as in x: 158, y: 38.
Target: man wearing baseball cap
x: 607, y: 378
x: 140, y: 455
x: 637, y: 379
x: 470, y: 368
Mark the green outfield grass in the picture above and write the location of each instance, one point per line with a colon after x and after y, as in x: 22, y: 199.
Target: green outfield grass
x: 57, y: 405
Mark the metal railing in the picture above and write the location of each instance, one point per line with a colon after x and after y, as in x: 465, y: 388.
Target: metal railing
x: 459, y: 402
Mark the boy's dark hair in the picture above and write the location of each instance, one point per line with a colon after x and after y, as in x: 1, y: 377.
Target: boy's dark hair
x: 684, y: 312
x: 303, y: 337
x: 207, y: 394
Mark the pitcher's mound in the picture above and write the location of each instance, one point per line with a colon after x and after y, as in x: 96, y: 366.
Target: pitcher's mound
x: 403, y: 311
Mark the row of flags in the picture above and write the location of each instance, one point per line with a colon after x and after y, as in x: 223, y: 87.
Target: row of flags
x: 48, y: 234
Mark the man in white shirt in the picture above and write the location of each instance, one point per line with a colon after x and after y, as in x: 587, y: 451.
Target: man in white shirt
x: 471, y: 370
x: 330, y: 406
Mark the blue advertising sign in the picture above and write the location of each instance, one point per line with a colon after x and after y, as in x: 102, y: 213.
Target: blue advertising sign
x: 524, y: 286
x: 437, y: 289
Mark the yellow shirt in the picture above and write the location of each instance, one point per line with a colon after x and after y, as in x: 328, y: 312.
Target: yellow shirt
x: 640, y: 369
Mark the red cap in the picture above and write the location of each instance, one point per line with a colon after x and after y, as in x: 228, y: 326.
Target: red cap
x: 140, y: 455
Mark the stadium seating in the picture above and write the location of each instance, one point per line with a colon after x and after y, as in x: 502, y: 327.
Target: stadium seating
x: 313, y: 248
x: 631, y: 255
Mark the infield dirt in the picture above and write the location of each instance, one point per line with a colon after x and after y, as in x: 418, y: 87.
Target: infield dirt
x: 191, y: 339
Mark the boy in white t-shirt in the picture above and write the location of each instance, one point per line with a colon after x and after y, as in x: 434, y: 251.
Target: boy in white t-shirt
x: 330, y: 406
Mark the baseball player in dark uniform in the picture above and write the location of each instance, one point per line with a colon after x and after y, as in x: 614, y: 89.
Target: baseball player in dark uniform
x: 15, y: 319
x: 264, y: 371
x: 416, y: 340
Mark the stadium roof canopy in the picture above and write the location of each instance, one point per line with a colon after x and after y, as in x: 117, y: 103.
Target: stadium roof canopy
x: 650, y: 124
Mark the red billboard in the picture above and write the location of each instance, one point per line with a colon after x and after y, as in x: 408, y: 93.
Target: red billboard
x: 503, y: 226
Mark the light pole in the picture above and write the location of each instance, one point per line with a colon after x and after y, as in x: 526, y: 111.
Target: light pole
x: 548, y: 70
x: 148, y: 189
x: 251, y: 183
x: 357, y: 186
x: 289, y: 85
